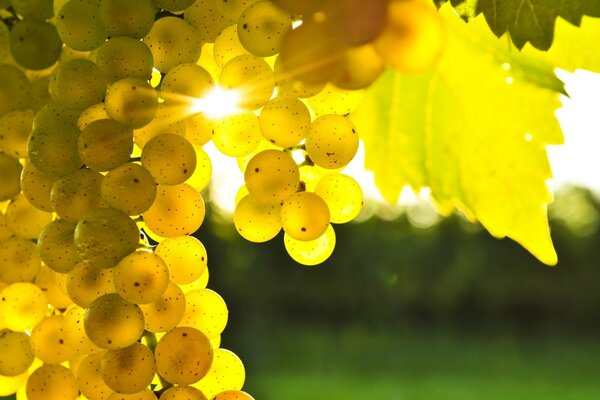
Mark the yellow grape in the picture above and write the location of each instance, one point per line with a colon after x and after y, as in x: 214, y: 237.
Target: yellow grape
x: 34, y: 44
x: 22, y: 306
x: 183, y: 356
x: 173, y: 41
x: 124, y: 57
x: 10, y: 170
x: 332, y: 141
x: 206, y: 311
x: 304, y: 216
x: 91, y: 114
x: 203, y: 172
x: 414, y: 36
x: 19, y: 260
x: 343, y: 196
x: 233, y: 395
x: 198, y: 129
x: 227, y: 45
x: 75, y: 194
x: 111, y: 322
x: 5, y: 232
x: 57, y: 247
x: 86, y: 283
x: 356, y: 22
x: 129, y: 188
x: 333, y: 100
x: 52, y: 283
x: 132, y: 102
x: 132, y: 18
x: 226, y: 373
x: 312, y: 252
x: 358, y: 68
x: 168, y: 119
x: 16, y: 354
x: 79, y: 26
x: 170, y: 159
x: 284, y: 121
x: 36, y: 187
x: 89, y: 379
x: 257, y: 221
x: 208, y: 18
x: 74, y: 332
x: 77, y: 84
x: 237, y: 135
x: 47, y: 341
x: 146, y: 394
x: 51, y: 381
x: 289, y: 85
x: 141, y: 277
x: 272, y: 176
x: 232, y: 9
x: 15, y: 127
x: 252, y: 77
x: 173, y: 5
x: 166, y: 312
x: 104, y: 236
x: 261, y: 27
x: 183, y: 393
x: 177, y: 210
x: 198, y: 284
x: 105, y: 144
x: 184, y: 83
x: 135, y: 362
x: 24, y: 219
x: 185, y: 257
x: 38, y: 10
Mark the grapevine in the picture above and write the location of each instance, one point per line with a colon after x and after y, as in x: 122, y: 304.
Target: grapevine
x: 105, y: 106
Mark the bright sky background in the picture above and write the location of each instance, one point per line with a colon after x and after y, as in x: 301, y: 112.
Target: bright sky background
x: 575, y: 162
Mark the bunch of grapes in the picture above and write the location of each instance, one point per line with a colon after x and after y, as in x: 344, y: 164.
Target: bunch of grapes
x: 104, y: 108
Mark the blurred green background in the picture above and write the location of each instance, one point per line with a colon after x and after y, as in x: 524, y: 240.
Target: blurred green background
x: 412, y: 307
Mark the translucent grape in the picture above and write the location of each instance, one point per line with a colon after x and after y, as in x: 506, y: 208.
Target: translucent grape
x: 15, y: 353
x: 257, y: 221
x: 173, y: 5
x: 357, y: 22
x: 288, y: 85
x: 252, y: 77
x: 36, y: 187
x: 304, y: 216
x: 39, y: 10
x: 57, y: 247
x: 208, y: 18
x: 52, y: 283
x: 135, y: 362
x: 34, y: 44
x: 178, y: 210
x: 261, y: 27
x: 5, y: 232
x: 272, y: 176
x: 186, y: 82
x: 22, y: 306
x: 227, y: 45
x: 206, y: 311
x: 226, y: 373
x: 86, y: 283
x: 52, y: 381
x: 173, y: 41
x: 112, y: 322
x: 127, y: 18
x: 185, y: 257
x: 52, y: 147
x: 237, y: 135
x: 232, y: 9
x: 47, y: 341
x: 104, y: 236
x: 14, y: 89
x: 124, y: 57
x: 358, y: 68
x: 53, y: 113
x: 15, y: 127
x: 141, y: 277
x: 343, y: 196
x: 311, y: 252
x: 89, y: 379
x: 24, y: 219
x: 10, y: 172
x: 168, y: 119
x: 183, y: 356
x: 170, y: 159
x: 166, y: 312
x: 284, y: 121
x: 332, y: 141
x: 333, y: 100
x: 91, y: 114
x: 19, y: 260
x: 105, y: 144
x: 74, y: 332
x: 183, y: 393
x: 233, y: 395
x: 129, y: 188
x: 132, y: 102
x: 203, y: 172
x: 145, y: 394
x: 77, y: 84
x: 74, y: 195
x: 304, y: 7
x: 79, y: 26
x: 198, y: 129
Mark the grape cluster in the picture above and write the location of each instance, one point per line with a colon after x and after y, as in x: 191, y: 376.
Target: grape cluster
x: 105, y: 106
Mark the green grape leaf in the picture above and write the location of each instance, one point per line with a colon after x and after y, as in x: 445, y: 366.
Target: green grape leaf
x: 473, y: 131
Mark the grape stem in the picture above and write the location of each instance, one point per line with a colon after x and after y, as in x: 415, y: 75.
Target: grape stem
x: 151, y: 342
